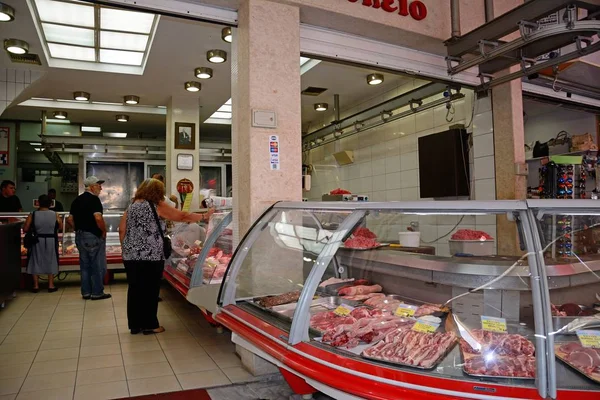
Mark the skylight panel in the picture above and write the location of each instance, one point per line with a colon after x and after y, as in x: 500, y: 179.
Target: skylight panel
x: 125, y: 21
x: 221, y: 115
x: 225, y: 108
x: 121, y: 57
x: 68, y: 35
x: 123, y: 41
x: 72, y: 52
x: 65, y: 13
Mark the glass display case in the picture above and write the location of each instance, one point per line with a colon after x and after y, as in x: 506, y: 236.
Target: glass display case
x: 341, y: 286
x: 67, y: 249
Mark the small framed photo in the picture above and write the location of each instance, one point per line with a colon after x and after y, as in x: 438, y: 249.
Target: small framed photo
x: 185, y: 136
x: 185, y: 162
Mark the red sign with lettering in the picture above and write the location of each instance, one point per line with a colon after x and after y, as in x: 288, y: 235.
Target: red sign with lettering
x: 415, y: 9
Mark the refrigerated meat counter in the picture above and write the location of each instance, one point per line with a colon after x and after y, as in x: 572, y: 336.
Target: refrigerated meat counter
x: 376, y: 323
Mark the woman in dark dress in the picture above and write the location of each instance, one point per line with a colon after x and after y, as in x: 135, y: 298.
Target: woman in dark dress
x: 143, y: 255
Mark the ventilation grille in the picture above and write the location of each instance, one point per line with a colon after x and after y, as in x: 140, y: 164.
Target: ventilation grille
x: 32, y: 59
x: 313, y: 91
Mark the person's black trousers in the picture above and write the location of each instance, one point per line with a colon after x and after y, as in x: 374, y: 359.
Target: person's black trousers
x: 143, y: 278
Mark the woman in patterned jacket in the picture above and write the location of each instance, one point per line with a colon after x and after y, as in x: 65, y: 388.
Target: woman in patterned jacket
x: 143, y: 255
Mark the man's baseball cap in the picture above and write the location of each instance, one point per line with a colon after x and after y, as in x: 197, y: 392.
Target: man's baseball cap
x: 92, y: 180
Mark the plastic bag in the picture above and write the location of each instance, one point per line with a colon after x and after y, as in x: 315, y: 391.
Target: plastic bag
x: 187, y: 239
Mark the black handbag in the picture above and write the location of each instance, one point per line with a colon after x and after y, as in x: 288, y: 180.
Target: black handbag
x: 167, y: 247
x: 31, y: 238
x: 541, y: 150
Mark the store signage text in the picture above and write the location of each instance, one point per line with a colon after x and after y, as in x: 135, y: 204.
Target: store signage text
x: 415, y: 9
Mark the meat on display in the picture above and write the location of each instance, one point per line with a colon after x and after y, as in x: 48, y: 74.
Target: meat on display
x: 359, y: 242
x: 417, y: 349
x: 285, y: 298
x: 584, y: 359
x: 360, y: 289
x: 516, y: 366
x: 500, y: 344
x: 392, y: 303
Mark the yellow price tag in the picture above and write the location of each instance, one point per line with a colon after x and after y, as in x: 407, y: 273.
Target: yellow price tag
x: 589, y: 338
x: 405, y: 310
x: 343, y: 310
x: 187, y: 203
x: 493, y: 324
x: 425, y: 327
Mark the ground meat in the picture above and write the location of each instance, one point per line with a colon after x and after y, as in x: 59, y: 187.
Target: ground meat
x: 470, y: 234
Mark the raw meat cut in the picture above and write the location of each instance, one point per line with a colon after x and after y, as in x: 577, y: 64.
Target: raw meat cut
x: 358, y: 242
x: 428, y: 309
x: 556, y: 312
x: 215, y: 264
x: 521, y: 366
x: 585, y: 359
x: 334, y: 281
x: 367, y: 329
x: 339, y: 191
x: 364, y: 232
x: 285, y: 298
x: 470, y: 234
x: 499, y: 344
x: 405, y: 346
x: 361, y: 289
x: 362, y: 297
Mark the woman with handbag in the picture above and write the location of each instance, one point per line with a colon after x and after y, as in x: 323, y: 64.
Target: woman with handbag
x: 41, y: 230
x: 145, y: 249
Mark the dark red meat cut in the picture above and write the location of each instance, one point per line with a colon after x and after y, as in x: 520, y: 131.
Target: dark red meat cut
x: 339, y: 191
x: 470, y: 234
x: 364, y: 232
x: 360, y: 243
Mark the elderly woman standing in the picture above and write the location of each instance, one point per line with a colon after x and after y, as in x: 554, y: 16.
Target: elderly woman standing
x: 43, y: 255
x: 140, y: 231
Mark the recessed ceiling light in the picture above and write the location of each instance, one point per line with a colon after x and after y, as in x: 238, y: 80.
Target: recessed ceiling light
x: 16, y: 46
x: 35, y: 144
x: 60, y: 115
x: 122, y: 118
x: 192, y: 86
x: 7, y: 13
x: 226, y: 34
x: 131, y: 99
x: 115, y: 134
x: 374, y: 79
x: 216, y: 56
x: 81, y: 96
x: 94, y: 129
x: 321, y: 106
x: 203, y: 73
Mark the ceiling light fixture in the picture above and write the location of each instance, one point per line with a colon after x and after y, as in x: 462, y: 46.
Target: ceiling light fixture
x: 192, y: 86
x: 227, y: 35
x: 81, y: 96
x: 374, y: 79
x: 16, y: 46
x: 60, y: 115
x: 203, y: 73
x: 7, y: 13
x: 122, y: 118
x: 91, y: 129
x: 131, y: 99
x: 321, y: 107
x: 216, y: 56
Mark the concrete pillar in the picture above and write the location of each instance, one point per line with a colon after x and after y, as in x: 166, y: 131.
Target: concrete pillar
x: 265, y: 76
x: 509, y: 146
x: 183, y: 108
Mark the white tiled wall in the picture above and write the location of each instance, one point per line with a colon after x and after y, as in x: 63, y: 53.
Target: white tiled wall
x: 386, y: 168
x: 12, y: 83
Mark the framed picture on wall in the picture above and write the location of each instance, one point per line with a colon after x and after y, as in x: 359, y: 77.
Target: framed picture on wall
x: 185, y: 136
x: 4, y: 146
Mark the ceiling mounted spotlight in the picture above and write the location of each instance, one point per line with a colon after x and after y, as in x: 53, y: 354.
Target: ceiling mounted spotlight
x: 7, y: 13
x: 216, y: 56
x: 226, y: 34
x: 192, y: 86
x: 81, y: 96
x: 16, y: 46
x: 131, y: 99
x: 374, y: 79
x: 203, y: 73
x: 60, y: 115
x: 321, y: 107
x: 122, y: 118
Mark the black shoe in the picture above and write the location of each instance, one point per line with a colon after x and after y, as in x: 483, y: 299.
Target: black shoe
x: 86, y: 297
x: 52, y: 289
x: 35, y: 290
x: 102, y: 297
x: 159, y: 299
x: 135, y: 331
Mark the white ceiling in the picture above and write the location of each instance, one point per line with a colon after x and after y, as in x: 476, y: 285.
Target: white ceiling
x: 178, y: 48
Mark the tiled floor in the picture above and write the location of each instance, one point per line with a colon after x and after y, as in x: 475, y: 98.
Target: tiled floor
x: 58, y: 346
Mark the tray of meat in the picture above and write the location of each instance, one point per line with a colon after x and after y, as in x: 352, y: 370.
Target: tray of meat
x: 392, y: 301
x: 318, y: 305
x: 333, y: 287
x: 569, y: 313
x: 585, y: 360
x: 276, y: 300
x: 501, y: 355
x: 412, y: 349
x: 362, y: 244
